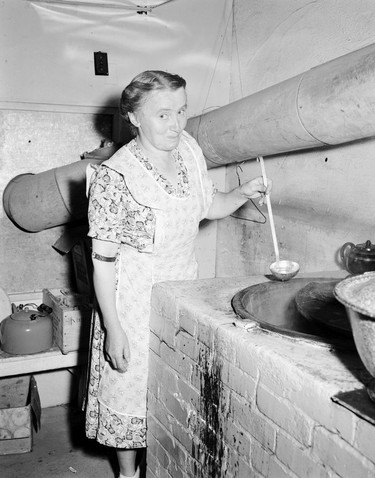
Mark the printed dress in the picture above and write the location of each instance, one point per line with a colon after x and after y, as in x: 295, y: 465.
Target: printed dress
x: 130, y: 203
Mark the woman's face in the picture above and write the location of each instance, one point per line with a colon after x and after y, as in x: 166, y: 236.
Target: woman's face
x: 161, y: 119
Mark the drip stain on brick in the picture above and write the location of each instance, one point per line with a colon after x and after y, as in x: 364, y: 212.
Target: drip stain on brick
x: 211, y: 434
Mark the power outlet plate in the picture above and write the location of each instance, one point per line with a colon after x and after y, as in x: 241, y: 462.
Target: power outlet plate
x: 101, y: 63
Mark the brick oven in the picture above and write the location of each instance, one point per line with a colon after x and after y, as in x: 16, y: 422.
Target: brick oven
x: 228, y: 400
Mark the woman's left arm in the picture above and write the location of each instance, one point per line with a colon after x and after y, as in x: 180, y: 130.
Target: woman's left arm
x: 225, y: 204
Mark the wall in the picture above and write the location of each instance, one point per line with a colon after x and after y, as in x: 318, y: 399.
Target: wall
x: 60, y: 38
x: 321, y: 198
x: 53, y: 108
x: 63, y: 109
x: 32, y: 142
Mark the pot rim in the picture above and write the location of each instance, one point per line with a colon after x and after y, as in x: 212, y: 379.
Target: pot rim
x: 348, y: 286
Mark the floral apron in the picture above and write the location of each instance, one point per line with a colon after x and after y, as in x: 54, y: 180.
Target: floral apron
x: 116, y: 403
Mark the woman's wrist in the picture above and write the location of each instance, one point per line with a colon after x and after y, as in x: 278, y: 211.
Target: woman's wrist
x: 242, y: 196
x: 114, y: 330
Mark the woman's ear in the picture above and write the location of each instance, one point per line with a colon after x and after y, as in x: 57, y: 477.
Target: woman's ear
x: 133, y: 120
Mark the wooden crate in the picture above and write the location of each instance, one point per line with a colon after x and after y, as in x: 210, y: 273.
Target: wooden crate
x: 19, y: 399
x: 71, y: 318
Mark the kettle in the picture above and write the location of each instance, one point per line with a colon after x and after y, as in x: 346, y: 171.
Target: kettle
x: 358, y: 258
x: 27, y: 330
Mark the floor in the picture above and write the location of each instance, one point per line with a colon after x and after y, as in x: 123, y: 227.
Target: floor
x: 61, y: 450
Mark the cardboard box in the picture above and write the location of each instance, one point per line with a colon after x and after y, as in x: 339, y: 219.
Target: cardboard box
x: 71, y: 316
x: 19, y: 413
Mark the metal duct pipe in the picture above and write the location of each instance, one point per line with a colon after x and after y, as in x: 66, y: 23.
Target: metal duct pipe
x: 330, y: 104
x: 35, y: 202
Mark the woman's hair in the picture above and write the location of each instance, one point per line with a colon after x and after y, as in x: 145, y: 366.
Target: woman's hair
x: 137, y: 90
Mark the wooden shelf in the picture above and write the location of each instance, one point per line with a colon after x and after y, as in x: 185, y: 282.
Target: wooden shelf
x: 52, y: 359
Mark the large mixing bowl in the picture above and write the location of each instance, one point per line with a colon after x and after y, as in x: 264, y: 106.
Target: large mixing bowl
x: 357, y: 294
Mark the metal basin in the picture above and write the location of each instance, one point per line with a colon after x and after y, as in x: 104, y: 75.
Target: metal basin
x: 273, y: 306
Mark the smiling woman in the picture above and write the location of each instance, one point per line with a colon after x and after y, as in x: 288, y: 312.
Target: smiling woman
x: 145, y: 206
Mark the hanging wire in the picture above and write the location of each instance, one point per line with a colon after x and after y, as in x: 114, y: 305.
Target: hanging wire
x: 238, y: 167
x: 230, y: 16
x: 237, y: 51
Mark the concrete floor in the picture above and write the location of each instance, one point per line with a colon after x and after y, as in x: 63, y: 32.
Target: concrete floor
x: 61, y: 450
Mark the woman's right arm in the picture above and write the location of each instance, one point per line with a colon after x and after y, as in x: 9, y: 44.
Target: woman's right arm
x: 104, y: 277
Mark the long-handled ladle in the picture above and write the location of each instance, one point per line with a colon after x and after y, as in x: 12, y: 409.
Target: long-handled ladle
x: 282, y: 270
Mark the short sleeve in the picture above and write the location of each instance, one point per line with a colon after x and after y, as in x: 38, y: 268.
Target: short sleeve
x: 113, y: 214
x: 107, y: 208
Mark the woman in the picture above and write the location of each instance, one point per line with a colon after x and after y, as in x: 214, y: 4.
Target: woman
x: 145, y: 205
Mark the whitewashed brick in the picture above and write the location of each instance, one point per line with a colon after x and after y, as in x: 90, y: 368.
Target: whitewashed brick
x: 154, y: 343
x: 154, y: 373
x: 196, y: 375
x: 261, y: 429
x: 169, y: 332
x: 314, y: 399
x: 236, y: 439
x: 174, y: 404
x: 232, y: 461
x: 163, y: 305
x: 189, y: 394
x: 193, y: 468
x: 340, y: 456
x: 279, y: 375
x: 246, y: 471
x: 176, y: 360
x: 187, y: 323
x: 187, y: 345
x: 259, y: 458
x: 175, y: 471
x: 205, y: 334
x: 153, y: 465
x: 365, y: 439
x: 252, y: 422
x: 159, y: 412
x: 284, y: 414
x: 245, y: 359
x: 224, y: 343
x: 277, y: 470
x: 297, y: 458
x: 241, y: 382
x: 167, y: 442
x: 340, y: 420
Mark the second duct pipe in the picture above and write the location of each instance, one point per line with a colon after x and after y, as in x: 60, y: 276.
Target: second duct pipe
x: 330, y: 104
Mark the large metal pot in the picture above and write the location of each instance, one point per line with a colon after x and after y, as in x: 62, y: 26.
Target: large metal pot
x: 357, y: 294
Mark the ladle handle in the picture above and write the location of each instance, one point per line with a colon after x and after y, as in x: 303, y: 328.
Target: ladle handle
x: 269, y: 208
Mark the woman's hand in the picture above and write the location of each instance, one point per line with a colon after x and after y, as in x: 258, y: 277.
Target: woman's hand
x: 225, y: 204
x: 256, y: 188
x: 117, y: 349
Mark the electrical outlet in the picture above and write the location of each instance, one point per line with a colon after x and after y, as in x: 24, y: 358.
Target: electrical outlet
x: 101, y: 63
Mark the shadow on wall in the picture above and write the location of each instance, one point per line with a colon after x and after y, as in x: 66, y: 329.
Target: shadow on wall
x: 35, y: 202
